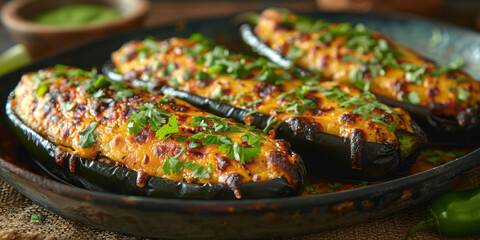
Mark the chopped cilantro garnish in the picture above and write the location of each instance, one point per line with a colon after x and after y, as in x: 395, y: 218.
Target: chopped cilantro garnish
x: 187, y: 75
x: 273, y: 78
x: 182, y: 139
x: 361, y: 43
x: 412, y: 98
x: 253, y: 139
x: 88, y: 136
x: 101, y: 82
x: 294, y: 52
x: 170, y: 68
x: 269, y: 125
x: 461, y: 79
x: 67, y: 106
x: 378, y: 119
x: 307, y: 24
x: 300, y: 107
x: 173, y: 81
x: 121, y: 90
x: 219, y: 95
x: 174, y: 166
x: 462, y: 94
x: 155, y: 118
x: 249, y: 104
x: 193, y: 144
x: 168, y: 129
x: 340, y: 28
x: 393, y: 126
x: 201, y: 75
x: 252, y: 111
x: 326, y: 37
x: 455, y: 65
x: 42, y: 90
x: 414, y: 73
x: 311, y: 189
x: 239, y: 153
x: 164, y: 100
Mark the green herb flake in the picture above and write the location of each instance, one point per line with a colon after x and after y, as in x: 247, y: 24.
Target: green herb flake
x: 461, y: 79
x: 170, y: 68
x: 42, y: 90
x: 252, y: 111
x: 168, y: 129
x: 414, y: 73
x: 326, y: 37
x: 193, y: 144
x: 393, y: 126
x: 412, y: 98
x: 36, y: 218
x: 361, y: 43
x: 101, y: 82
x: 88, y: 136
x: 98, y: 94
x: 249, y: 104
x: 164, y: 100
x: 182, y: 139
x: 202, y: 76
x: 147, y: 115
x: 452, y: 66
x: 67, y: 106
x: 173, y: 81
x: 122, y: 90
x: 273, y: 78
x: 340, y: 28
x: 174, y: 166
x: 307, y: 24
x: 462, y: 95
x: 239, y: 153
x: 269, y: 125
x: 311, y: 189
x: 294, y: 52
x: 187, y: 75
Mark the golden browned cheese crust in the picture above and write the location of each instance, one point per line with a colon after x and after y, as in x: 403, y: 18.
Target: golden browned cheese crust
x: 449, y: 92
x: 142, y: 152
x: 248, y: 92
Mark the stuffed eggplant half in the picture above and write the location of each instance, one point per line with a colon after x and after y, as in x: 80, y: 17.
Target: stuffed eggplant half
x: 107, y: 136
x: 442, y: 99
x: 338, y: 130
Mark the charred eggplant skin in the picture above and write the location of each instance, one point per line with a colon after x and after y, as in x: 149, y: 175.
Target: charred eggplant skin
x: 94, y: 175
x: 339, y: 133
x: 435, y: 118
x: 378, y: 160
x: 147, y: 133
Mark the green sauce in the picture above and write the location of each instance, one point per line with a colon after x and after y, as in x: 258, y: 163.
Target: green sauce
x: 77, y: 15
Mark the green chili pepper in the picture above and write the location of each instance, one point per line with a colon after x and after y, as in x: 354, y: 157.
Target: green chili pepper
x: 455, y: 214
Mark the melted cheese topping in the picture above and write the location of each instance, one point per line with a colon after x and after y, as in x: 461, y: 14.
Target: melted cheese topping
x: 142, y: 152
x: 326, y: 117
x: 433, y: 91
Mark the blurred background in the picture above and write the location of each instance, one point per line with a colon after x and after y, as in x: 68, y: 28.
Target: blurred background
x: 461, y: 12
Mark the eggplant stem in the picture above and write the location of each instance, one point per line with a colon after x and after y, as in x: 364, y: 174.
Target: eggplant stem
x: 425, y: 223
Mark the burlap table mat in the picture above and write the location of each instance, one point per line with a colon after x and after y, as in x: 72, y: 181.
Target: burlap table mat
x: 16, y: 210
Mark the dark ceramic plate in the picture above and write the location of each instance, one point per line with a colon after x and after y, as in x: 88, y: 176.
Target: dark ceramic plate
x: 169, y: 218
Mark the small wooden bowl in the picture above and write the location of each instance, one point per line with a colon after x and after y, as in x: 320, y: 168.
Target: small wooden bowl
x: 41, y: 40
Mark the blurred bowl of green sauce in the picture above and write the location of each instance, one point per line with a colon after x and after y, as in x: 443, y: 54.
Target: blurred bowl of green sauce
x: 77, y: 15
x: 49, y: 26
